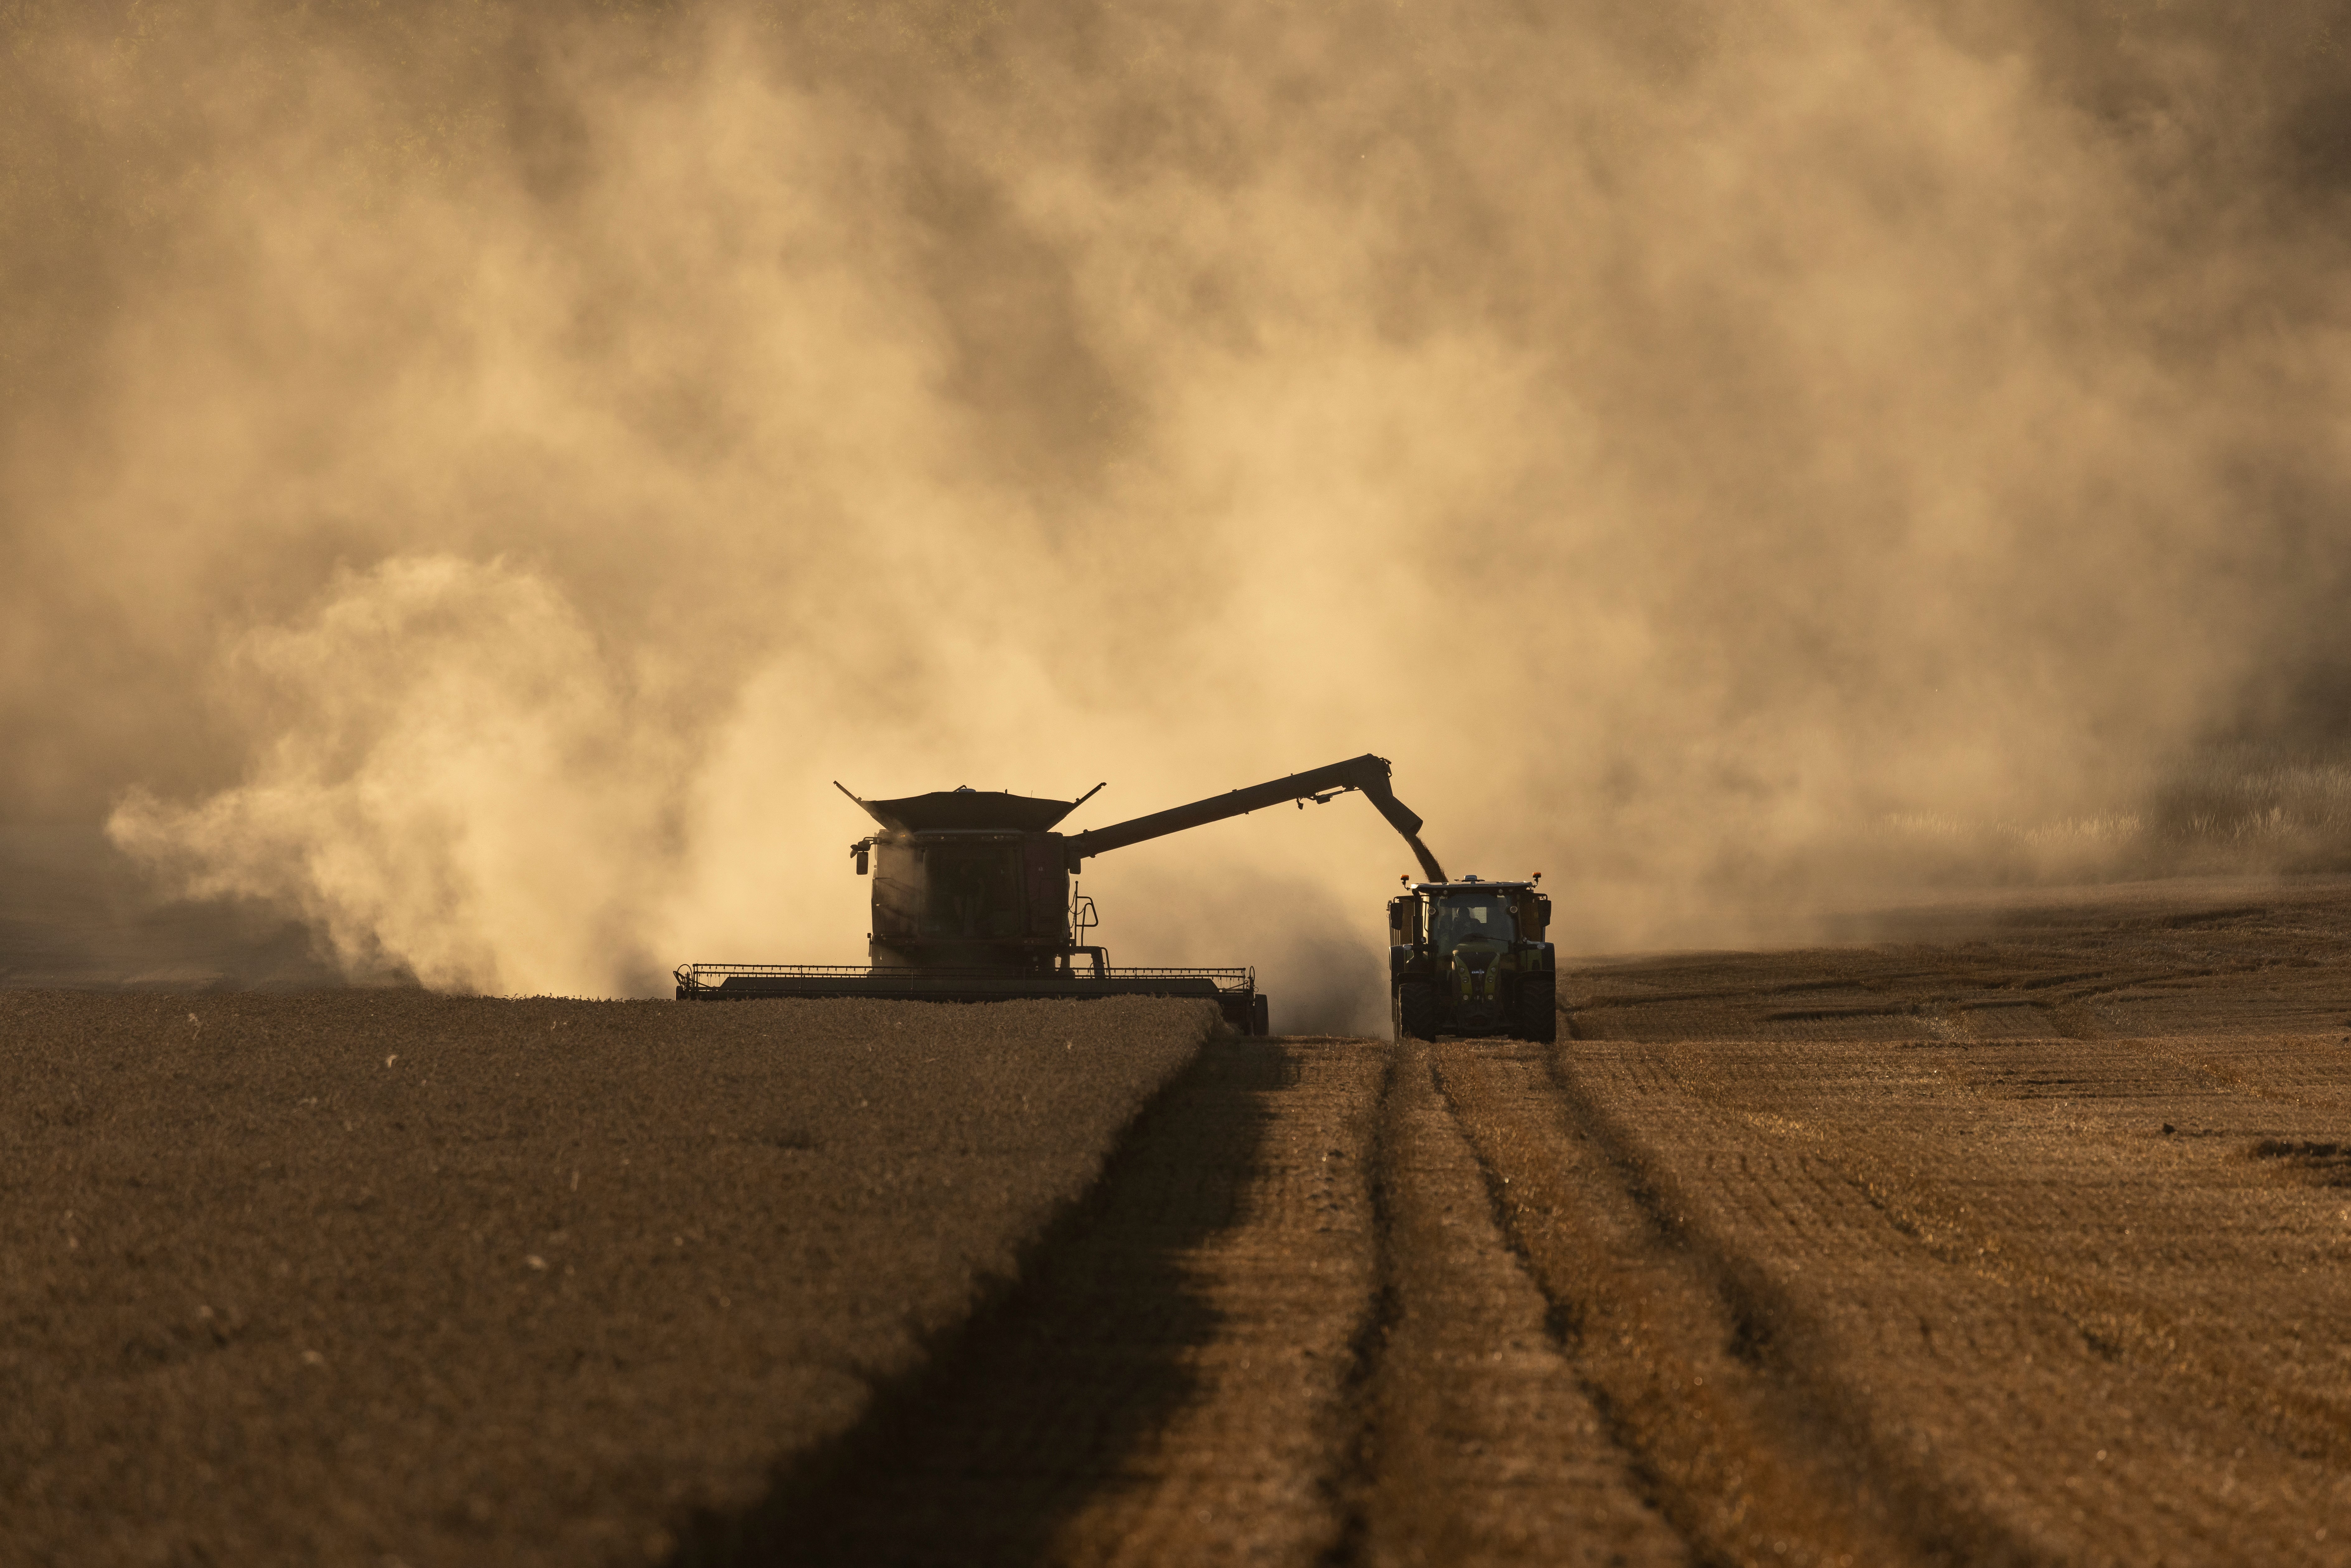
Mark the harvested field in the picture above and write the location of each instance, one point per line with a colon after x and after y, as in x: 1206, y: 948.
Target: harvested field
x: 365, y: 1277
x: 1710, y: 1290
x: 2021, y: 1240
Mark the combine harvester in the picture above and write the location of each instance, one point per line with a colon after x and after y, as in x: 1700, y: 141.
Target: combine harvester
x: 972, y: 900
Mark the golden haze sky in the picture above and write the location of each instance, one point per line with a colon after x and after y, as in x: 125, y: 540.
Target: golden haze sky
x: 473, y: 474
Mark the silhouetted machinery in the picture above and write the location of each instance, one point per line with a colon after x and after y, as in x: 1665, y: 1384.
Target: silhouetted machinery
x: 1471, y: 958
x: 972, y: 900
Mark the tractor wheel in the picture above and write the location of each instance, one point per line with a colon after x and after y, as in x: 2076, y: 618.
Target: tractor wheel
x: 1538, y: 1016
x: 1415, y: 1010
x: 1260, y: 1017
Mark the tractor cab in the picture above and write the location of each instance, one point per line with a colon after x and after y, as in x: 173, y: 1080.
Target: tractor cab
x: 1479, y: 915
x: 1439, y: 915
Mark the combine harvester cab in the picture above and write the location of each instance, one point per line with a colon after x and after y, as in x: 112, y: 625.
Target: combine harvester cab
x: 1468, y: 958
x: 972, y: 901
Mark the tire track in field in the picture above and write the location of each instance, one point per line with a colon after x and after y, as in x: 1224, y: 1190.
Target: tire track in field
x: 1246, y: 1468
x: 1754, y: 1462
x: 1078, y: 1417
x: 2001, y: 1326
x: 2111, y: 1322
x: 1479, y: 1442
x: 1350, y: 1484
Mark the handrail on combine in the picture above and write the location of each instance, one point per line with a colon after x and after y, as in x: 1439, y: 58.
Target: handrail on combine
x: 820, y: 980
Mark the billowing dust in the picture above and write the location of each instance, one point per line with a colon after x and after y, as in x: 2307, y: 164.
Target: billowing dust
x: 474, y: 474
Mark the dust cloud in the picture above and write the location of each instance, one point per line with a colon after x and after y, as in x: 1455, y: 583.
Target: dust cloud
x: 474, y: 474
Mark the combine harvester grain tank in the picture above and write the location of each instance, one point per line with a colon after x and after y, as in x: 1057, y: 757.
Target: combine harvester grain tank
x: 973, y: 900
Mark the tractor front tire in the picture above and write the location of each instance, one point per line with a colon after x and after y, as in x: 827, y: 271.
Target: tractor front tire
x: 1538, y: 1016
x: 1415, y: 1010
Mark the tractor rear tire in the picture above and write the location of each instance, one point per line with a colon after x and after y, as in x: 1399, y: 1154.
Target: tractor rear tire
x: 1415, y: 1010
x: 1538, y: 1018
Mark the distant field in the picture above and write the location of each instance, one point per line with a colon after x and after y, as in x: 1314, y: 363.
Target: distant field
x: 377, y: 1277
x: 76, y: 912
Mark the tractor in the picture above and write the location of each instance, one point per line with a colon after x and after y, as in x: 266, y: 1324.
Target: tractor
x: 1468, y: 958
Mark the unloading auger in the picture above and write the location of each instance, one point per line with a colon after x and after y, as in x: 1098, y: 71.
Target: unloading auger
x: 972, y: 900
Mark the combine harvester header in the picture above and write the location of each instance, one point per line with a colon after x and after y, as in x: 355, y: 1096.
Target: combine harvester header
x: 972, y: 900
